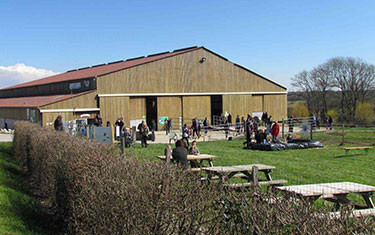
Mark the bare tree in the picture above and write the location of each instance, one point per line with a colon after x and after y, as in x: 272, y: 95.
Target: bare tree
x: 323, y: 82
x: 303, y: 82
x: 354, y: 78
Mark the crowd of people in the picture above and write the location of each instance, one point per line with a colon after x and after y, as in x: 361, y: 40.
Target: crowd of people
x: 249, y: 127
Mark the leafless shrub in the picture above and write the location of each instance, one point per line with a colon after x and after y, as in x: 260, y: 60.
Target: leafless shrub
x: 94, y: 190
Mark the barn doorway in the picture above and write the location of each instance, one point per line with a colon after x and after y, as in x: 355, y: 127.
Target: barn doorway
x: 151, y: 111
x: 216, y: 107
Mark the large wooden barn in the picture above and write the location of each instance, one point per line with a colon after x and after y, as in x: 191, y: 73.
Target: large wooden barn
x: 191, y: 83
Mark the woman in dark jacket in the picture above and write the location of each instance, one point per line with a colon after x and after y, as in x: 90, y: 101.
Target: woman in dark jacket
x: 58, y: 124
x: 180, y: 154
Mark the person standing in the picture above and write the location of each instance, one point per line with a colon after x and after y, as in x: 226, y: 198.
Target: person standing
x: 226, y: 127
x: 194, y: 126
x: 185, y: 134
x: 168, y: 153
x: 330, y: 122
x: 205, y: 125
x: 291, y: 124
x: 58, y: 124
x: 143, y: 131
x: 153, y: 129
x: 238, y: 124
x: 230, y: 119
x: 275, y: 130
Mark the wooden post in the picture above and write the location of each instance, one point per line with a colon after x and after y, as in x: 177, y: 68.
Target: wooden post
x: 282, y: 129
x: 255, y: 175
x: 122, y: 145
x: 134, y: 134
x: 343, y: 134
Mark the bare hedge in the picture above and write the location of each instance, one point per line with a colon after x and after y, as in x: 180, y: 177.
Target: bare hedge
x: 91, y: 189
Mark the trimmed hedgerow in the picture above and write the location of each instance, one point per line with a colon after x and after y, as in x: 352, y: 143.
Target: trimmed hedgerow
x: 91, y: 189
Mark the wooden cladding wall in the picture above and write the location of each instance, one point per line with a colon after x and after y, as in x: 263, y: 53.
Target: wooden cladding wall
x: 112, y: 108
x: 196, y: 107
x: 171, y: 107
x: 185, y: 74
x: 257, y: 103
x: 237, y: 105
x: 84, y: 101
x: 13, y: 113
x: 49, y: 118
x: 276, y: 106
x: 137, y: 108
x: 50, y: 89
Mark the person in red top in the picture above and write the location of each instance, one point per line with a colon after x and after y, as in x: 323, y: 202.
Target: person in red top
x: 275, y: 130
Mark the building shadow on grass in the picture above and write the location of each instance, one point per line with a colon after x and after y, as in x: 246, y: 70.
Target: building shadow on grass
x: 21, y: 203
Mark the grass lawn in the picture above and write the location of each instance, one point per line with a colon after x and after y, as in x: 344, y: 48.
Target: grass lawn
x: 19, y: 212
x: 307, y: 166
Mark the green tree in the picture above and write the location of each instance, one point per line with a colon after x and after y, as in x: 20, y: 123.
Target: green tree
x: 299, y: 109
x: 365, y: 113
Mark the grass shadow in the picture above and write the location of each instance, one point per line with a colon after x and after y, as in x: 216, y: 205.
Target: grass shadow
x: 17, y: 202
x: 350, y: 155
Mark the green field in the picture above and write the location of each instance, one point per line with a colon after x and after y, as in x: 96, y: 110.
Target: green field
x: 19, y: 212
x: 328, y: 164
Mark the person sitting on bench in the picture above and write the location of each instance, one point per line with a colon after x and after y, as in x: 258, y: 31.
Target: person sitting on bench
x: 180, y: 154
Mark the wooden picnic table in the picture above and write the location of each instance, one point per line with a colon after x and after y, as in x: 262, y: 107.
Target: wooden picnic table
x: 248, y: 172
x: 200, y: 158
x: 334, y: 192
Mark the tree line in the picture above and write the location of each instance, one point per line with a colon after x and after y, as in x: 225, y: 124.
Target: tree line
x: 352, y: 79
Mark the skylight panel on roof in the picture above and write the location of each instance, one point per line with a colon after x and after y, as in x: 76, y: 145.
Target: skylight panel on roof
x: 114, y: 62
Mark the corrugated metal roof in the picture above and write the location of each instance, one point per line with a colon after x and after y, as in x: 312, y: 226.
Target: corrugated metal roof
x: 35, y: 101
x: 98, y: 70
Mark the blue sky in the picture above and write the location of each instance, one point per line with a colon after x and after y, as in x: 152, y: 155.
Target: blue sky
x: 274, y: 38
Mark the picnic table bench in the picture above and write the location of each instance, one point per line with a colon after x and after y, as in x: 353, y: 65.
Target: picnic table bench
x: 201, y: 158
x: 334, y: 192
x: 347, y: 149
x: 248, y: 172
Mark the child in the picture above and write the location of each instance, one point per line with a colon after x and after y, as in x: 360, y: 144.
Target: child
x: 168, y: 153
x: 194, y: 149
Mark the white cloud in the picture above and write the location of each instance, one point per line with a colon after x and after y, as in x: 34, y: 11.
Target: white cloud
x: 20, y: 73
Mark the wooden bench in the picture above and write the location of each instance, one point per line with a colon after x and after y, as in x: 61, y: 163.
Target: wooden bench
x: 347, y: 149
x: 243, y: 176
x: 354, y: 214
x: 194, y: 169
x: 251, y: 184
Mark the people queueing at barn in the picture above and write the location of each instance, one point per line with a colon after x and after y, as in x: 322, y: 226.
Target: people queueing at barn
x: 275, y: 130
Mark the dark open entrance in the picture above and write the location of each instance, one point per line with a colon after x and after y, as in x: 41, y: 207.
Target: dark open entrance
x: 151, y: 111
x: 216, y: 106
